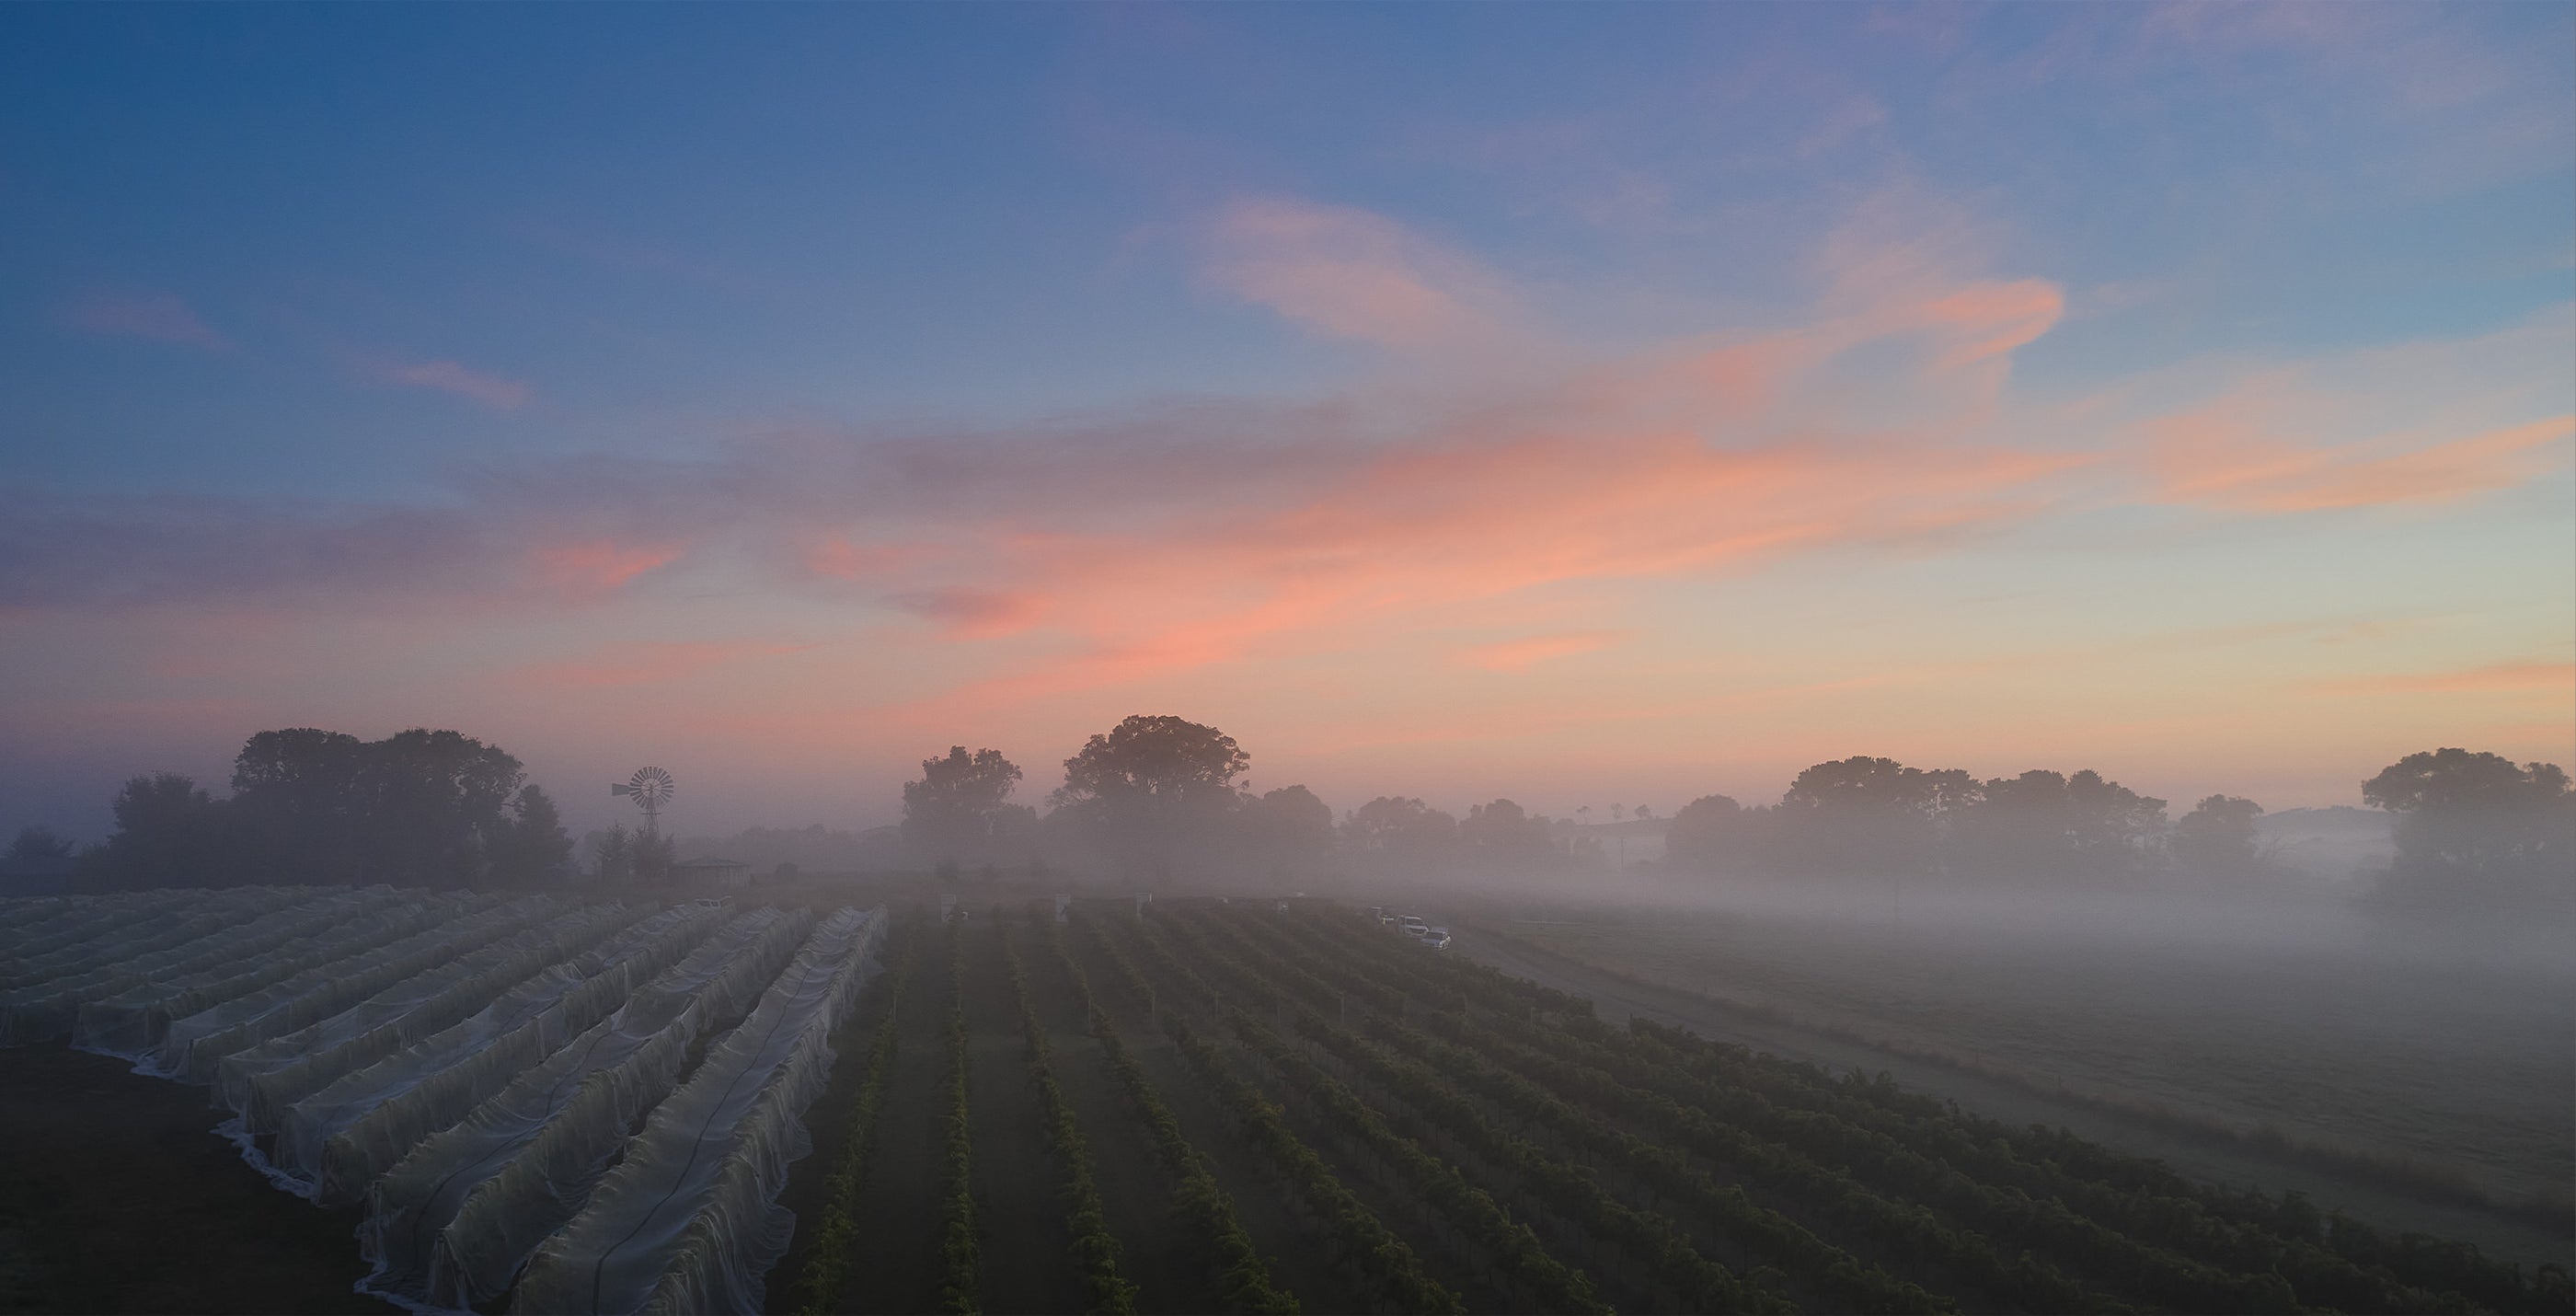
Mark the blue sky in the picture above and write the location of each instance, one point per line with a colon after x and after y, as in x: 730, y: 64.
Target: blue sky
x: 387, y: 364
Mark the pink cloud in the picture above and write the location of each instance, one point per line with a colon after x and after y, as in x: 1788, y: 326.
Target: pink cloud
x: 1528, y: 651
x: 160, y: 317
x: 449, y: 377
x: 2222, y: 457
x: 841, y: 558
x: 599, y: 566
x: 1351, y: 274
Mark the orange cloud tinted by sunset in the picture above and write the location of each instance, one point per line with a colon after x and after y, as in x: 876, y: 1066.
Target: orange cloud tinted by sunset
x: 2494, y: 678
x: 2225, y: 460
x: 1522, y: 654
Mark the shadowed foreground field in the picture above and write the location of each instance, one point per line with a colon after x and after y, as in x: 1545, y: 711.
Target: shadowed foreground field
x: 115, y: 1196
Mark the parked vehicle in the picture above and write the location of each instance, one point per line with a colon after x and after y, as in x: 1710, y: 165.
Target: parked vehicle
x: 1437, y: 939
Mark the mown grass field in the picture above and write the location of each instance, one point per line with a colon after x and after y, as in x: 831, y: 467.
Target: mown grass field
x: 1219, y: 1107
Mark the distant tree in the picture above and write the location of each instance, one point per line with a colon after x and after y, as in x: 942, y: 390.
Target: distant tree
x: 1152, y: 790
x: 169, y: 832
x: 1706, y: 834
x: 37, y: 846
x: 1394, y: 824
x: 2217, y: 837
x: 612, y: 854
x: 2046, y: 824
x: 2478, y: 831
x: 960, y: 804
x: 1288, y: 826
x: 1504, y: 829
x: 651, y: 856
x: 1867, y: 815
x: 530, y: 847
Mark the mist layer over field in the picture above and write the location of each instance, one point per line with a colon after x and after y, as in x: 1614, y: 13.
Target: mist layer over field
x: 2452, y: 1050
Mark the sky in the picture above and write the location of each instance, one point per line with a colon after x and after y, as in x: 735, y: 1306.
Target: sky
x: 1580, y: 404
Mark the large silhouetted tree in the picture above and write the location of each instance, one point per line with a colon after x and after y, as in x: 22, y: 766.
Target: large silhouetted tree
x: 296, y: 797
x: 2477, y: 831
x: 1868, y: 815
x: 432, y: 802
x: 418, y: 808
x: 1152, y: 790
x: 961, y: 805
x: 2047, y: 824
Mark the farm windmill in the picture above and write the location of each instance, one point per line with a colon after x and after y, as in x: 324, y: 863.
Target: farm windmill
x: 651, y: 788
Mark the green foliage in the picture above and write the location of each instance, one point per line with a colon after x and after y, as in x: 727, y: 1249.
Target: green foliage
x: 1243, y: 1278
x: 2030, y: 1218
x: 827, y: 1262
x: 960, y: 1251
x: 1095, y: 1249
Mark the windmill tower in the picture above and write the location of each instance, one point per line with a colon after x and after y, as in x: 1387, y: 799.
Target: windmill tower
x: 651, y: 789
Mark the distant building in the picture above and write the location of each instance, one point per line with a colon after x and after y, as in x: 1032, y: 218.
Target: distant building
x: 727, y: 874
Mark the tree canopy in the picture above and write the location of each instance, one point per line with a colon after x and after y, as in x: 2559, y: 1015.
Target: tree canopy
x: 961, y: 805
x: 2478, y: 831
x: 418, y: 808
x: 1152, y: 789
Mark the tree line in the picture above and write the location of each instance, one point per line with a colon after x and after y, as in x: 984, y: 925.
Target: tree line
x: 1161, y: 798
x: 318, y: 808
x: 1158, y: 796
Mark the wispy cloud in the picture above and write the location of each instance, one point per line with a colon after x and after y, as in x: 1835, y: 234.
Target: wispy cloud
x: 491, y: 390
x: 160, y: 317
x: 1519, y: 655
x: 2221, y: 462
x: 1352, y: 274
x: 1139, y: 543
x: 599, y: 566
x: 2493, y: 678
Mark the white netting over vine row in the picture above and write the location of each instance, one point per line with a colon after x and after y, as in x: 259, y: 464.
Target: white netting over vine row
x: 471, y: 1066
x: 687, y: 1222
